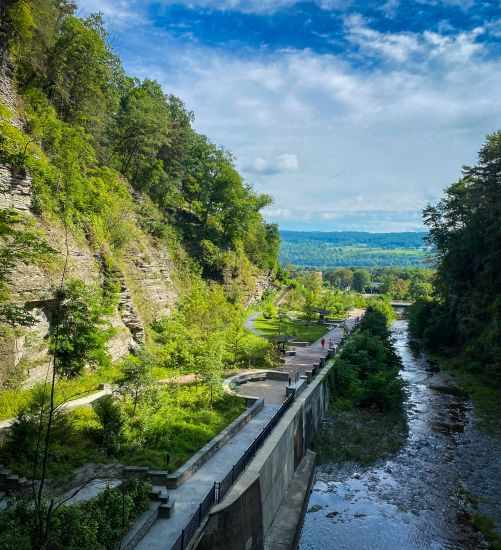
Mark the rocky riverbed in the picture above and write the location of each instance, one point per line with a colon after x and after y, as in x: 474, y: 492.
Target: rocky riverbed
x: 426, y: 495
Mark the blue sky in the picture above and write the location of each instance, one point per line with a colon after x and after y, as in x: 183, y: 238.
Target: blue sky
x: 351, y: 114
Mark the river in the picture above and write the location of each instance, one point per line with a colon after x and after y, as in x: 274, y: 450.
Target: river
x: 421, y: 497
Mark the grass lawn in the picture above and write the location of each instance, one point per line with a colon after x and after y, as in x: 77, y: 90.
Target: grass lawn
x: 13, y: 400
x: 177, y: 424
x: 304, y: 332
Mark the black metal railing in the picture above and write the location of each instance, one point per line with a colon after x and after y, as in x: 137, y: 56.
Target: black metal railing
x: 224, y: 485
x: 220, y: 488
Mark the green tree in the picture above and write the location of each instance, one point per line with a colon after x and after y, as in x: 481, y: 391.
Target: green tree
x: 140, y: 130
x: 112, y: 423
x: 136, y: 380
x: 80, y: 73
x: 361, y: 280
x: 342, y: 278
x: 78, y: 331
x: 465, y: 233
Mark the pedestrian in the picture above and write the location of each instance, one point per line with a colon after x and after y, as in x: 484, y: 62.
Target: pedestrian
x: 323, y: 342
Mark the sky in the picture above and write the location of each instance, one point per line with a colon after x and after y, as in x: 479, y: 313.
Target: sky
x: 352, y: 115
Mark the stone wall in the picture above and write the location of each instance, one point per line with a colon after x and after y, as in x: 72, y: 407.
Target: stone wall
x: 15, y: 190
x: 263, y: 283
x: 8, y: 94
x: 244, y: 519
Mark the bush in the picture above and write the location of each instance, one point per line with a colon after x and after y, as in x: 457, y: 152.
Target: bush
x: 99, y: 523
x: 366, y: 371
x: 112, y: 423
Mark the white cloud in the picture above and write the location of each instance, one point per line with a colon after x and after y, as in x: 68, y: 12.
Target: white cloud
x: 283, y: 163
x: 116, y: 12
x: 333, y: 134
x: 258, y: 6
x: 384, y: 139
x: 402, y: 46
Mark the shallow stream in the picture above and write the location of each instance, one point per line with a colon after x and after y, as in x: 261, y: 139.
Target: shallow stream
x: 421, y: 498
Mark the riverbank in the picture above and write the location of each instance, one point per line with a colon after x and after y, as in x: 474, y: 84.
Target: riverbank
x: 432, y: 493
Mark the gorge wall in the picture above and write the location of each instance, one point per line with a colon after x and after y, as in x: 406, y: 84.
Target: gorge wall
x: 143, y: 272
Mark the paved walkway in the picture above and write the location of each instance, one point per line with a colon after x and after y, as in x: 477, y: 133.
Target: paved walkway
x: 273, y: 391
x: 249, y: 323
x: 191, y: 493
x: 70, y: 405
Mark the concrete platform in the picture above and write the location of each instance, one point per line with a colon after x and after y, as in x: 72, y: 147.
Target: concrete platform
x: 189, y: 495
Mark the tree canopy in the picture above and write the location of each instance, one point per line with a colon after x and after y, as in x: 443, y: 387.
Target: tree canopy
x: 465, y: 231
x: 92, y: 119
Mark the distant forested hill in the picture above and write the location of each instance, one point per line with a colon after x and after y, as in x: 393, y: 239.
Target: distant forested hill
x: 353, y: 249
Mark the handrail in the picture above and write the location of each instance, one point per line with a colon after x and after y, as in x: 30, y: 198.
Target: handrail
x: 220, y: 488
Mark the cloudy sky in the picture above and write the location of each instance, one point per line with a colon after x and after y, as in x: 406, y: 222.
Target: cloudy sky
x: 352, y: 114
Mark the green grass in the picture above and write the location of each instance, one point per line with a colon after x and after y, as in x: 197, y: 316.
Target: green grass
x: 181, y: 425
x: 180, y: 422
x: 304, y: 332
x: 360, y: 436
x: 13, y: 400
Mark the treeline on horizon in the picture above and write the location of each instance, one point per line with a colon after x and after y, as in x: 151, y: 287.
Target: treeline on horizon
x: 102, y: 130
x: 464, y: 316
x: 354, y: 249
x: 405, y: 239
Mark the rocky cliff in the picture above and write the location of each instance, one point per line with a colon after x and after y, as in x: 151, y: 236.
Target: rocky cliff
x: 143, y: 272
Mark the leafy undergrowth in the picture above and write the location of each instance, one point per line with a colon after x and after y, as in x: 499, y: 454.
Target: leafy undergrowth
x: 181, y: 424
x: 98, y: 523
x: 360, y: 436
x: 301, y: 330
x: 367, y: 421
x: 13, y: 400
x: 161, y: 435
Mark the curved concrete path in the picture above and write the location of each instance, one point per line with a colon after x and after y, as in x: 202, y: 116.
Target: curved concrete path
x: 273, y: 391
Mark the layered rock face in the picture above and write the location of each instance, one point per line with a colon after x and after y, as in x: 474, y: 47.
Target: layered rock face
x: 146, y: 291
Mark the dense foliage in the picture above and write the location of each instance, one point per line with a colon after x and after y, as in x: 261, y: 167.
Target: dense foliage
x: 365, y: 373
x: 95, y: 524
x: 408, y: 283
x: 353, y: 249
x: 465, y: 231
x: 97, y: 126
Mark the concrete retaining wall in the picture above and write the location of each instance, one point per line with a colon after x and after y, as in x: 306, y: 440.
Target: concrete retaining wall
x: 244, y: 519
x: 173, y: 480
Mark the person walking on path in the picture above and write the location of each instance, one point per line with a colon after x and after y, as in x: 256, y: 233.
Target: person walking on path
x: 323, y: 343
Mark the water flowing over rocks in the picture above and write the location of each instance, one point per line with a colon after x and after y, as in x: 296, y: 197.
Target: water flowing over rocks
x: 424, y: 496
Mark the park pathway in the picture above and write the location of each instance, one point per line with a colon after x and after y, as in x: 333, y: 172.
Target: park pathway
x: 273, y: 391
x: 70, y: 405
x: 192, y: 492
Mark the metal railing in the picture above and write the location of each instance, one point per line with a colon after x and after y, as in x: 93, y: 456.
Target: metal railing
x: 220, y: 488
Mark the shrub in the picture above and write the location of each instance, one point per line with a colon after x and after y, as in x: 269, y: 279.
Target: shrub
x: 112, y: 422
x: 99, y: 523
x: 366, y: 371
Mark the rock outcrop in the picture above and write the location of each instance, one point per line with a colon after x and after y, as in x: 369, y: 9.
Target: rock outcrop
x: 143, y: 275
